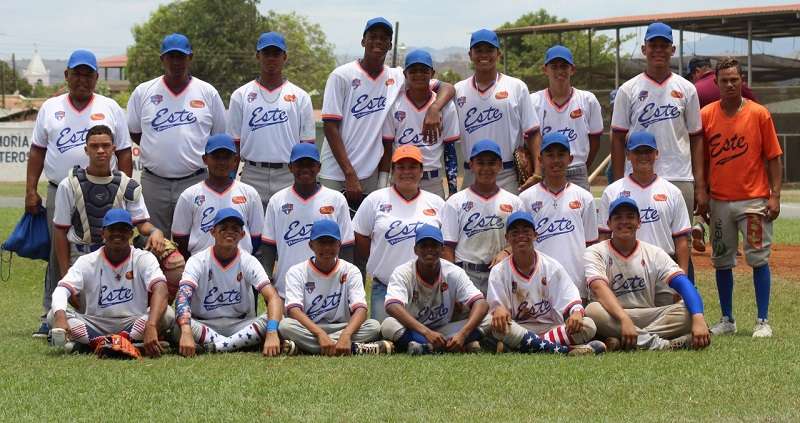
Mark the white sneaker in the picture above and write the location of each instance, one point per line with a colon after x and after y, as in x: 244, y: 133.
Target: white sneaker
x: 762, y: 329
x: 57, y: 337
x: 725, y: 326
x: 374, y: 348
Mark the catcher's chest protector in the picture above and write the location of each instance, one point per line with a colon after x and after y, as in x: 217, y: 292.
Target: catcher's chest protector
x: 93, y: 200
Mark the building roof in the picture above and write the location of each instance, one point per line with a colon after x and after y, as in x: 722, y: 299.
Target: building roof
x: 36, y: 68
x: 769, y: 22
x: 120, y: 61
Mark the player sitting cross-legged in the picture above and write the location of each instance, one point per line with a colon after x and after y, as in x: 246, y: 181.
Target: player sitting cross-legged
x: 423, y: 295
x: 122, y: 289
x: 215, y: 306
x: 325, y: 301
x: 624, y: 274
x: 535, y: 306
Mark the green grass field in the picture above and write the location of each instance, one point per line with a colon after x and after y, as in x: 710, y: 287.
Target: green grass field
x: 736, y: 379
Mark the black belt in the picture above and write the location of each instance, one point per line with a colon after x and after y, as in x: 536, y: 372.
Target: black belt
x: 506, y: 165
x: 475, y: 267
x: 266, y: 164
x: 180, y: 178
x: 87, y: 248
x: 430, y: 174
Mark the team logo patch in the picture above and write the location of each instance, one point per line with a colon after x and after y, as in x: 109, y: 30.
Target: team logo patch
x: 400, y: 115
x: 291, y: 98
x: 429, y: 212
x: 355, y: 83
x: 385, y: 208
x: 536, y: 206
x: 575, y: 204
x: 129, y: 275
x: 467, y: 206
x: 156, y: 99
x: 97, y: 116
x: 197, y: 104
x: 251, y: 97
x: 643, y: 95
x: 443, y: 286
x: 287, y: 208
x: 461, y: 101
x: 625, y: 194
x: 676, y: 94
x: 343, y: 279
x: 660, y: 197
x: 506, y: 208
x: 576, y: 113
x: 238, y: 199
x: 199, y: 200
x: 501, y: 95
x: 310, y: 287
x: 239, y: 276
x: 60, y: 115
x: 389, y: 81
x: 326, y: 210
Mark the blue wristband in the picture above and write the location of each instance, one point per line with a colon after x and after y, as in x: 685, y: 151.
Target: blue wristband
x: 272, y: 326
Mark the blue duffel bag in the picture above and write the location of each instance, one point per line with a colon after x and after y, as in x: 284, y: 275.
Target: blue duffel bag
x: 30, y: 238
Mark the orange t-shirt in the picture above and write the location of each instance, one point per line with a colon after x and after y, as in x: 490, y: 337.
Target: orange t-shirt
x: 736, y: 151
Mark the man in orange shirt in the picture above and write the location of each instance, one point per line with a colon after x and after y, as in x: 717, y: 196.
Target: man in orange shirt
x: 744, y: 160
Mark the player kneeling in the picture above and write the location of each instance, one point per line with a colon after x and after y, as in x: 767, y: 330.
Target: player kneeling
x: 422, y: 296
x: 535, y: 305
x: 624, y: 274
x: 318, y: 320
x: 112, y: 285
x: 216, y: 307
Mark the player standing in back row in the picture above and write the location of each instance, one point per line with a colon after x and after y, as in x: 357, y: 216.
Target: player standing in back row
x: 267, y: 116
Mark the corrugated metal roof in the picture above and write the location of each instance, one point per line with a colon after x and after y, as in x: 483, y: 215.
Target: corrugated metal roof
x: 120, y: 61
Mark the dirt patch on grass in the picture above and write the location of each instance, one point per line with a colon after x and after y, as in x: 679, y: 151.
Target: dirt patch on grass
x: 784, y: 261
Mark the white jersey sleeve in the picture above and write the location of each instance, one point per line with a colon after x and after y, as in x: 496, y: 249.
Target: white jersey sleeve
x: 65, y: 202
x: 254, y: 272
x: 146, y: 265
x: 589, y: 213
x: 498, y: 292
x: 397, y: 291
x: 355, y: 290
x: 334, y: 98
x: 219, y: 124
x: 564, y: 293
x: 595, y: 118
x: 294, y: 285
x: 235, y: 114
x: 308, y: 126
x: 182, y: 216
x: 621, y: 114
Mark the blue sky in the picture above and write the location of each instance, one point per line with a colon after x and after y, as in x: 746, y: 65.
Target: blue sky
x: 57, y: 28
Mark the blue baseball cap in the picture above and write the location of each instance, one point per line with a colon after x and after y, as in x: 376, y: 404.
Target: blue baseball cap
x: 554, y: 138
x: 115, y: 216
x: 428, y: 232
x: 641, y: 139
x: 304, y: 150
x: 176, y: 42
x: 622, y: 202
x: 658, y: 29
x: 82, y: 57
x: 325, y: 227
x: 484, y: 36
x: 558, y: 52
x: 228, y: 213
x: 419, y: 56
x: 519, y: 216
x: 378, y: 21
x: 271, y: 39
x: 220, y: 142
x: 484, y: 146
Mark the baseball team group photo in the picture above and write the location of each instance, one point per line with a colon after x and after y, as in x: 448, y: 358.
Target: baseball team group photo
x: 536, y: 227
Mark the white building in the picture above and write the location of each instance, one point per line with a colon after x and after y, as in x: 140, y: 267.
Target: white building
x: 36, y: 71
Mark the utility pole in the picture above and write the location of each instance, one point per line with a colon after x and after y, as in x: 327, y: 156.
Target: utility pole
x: 13, y: 72
x: 394, y: 46
x: 3, y: 83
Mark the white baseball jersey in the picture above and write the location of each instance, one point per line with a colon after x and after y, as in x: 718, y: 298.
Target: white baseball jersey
x: 670, y: 111
x: 543, y: 300
x: 288, y: 221
x: 565, y: 222
x: 114, y: 290
x: 634, y: 278
x: 61, y: 129
x: 175, y: 126
x: 476, y: 224
x: 579, y: 117
x: 662, y: 210
x: 431, y: 304
x: 390, y: 221
x: 503, y: 114
x: 65, y: 207
x: 223, y: 291
x: 325, y: 297
x: 361, y: 104
x: 198, y: 205
x: 270, y: 122
x: 403, y: 126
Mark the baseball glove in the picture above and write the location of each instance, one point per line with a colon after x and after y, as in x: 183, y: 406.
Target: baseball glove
x: 115, y: 346
x: 523, y: 164
x: 170, y: 260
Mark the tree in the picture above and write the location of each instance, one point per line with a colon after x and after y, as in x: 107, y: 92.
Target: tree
x: 449, y: 75
x: 223, y: 36
x: 9, y: 76
x: 524, y: 54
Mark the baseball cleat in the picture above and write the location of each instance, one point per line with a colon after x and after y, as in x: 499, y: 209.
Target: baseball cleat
x: 500, y: 348
x: 613, y: 344
x: 725, y: 326
x: 415, y: 348
x: 57, y: 337
x: 762, y: 329
x: 681, y: 343
x: 289, y: 348
x: 42, y: 332
x: 373, y: 348
x: 473, y: 347
x: 591, y: 348
x: 209, y: 347
x: 698, y: 238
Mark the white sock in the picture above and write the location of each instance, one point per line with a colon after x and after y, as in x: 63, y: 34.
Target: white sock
x: 137, y: 330
x: 77, y: 331
x: 245, y: 337
x: 558, y: 335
